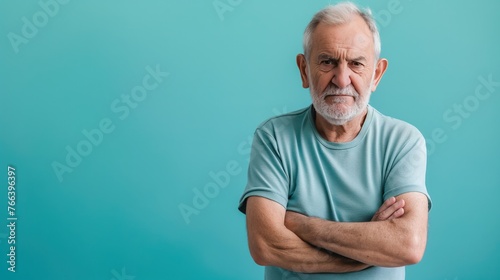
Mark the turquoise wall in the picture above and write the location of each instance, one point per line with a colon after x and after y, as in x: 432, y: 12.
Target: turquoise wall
x: 116, y: 114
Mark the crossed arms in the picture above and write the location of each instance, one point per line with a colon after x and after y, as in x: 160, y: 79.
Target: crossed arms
x: 396, y: 236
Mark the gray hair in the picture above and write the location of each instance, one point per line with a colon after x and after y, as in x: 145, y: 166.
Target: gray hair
x: 339, y: 14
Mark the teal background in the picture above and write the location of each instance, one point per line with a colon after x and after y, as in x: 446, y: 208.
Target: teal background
x: 116, y: 215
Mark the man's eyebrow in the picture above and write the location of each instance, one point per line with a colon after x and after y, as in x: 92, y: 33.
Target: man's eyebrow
x: 359, y: 58
x: 326, y: 56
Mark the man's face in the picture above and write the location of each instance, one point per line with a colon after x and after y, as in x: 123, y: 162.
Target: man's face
x: 340, y: 70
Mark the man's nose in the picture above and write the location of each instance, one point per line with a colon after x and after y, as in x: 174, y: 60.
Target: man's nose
x: 341, y: 76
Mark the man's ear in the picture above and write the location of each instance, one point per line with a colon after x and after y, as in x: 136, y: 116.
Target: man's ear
x: 302, y: 64
x: 379, y: 72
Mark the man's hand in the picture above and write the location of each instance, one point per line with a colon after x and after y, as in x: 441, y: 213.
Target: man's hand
x: 391, y: 209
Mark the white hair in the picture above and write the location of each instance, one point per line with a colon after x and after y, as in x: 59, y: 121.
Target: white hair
x: 339, y: 14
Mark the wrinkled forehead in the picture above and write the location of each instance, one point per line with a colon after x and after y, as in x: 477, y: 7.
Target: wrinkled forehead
x: 353, y: 37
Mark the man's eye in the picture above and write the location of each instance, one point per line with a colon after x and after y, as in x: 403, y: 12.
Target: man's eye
x: 357, y: 64
x: 327, y: 62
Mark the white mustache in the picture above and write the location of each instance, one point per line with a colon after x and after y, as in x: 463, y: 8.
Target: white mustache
x: 349, y: 91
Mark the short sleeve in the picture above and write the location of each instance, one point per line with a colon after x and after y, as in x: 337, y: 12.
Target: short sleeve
x: 266, y: 175
x: 407, y: 173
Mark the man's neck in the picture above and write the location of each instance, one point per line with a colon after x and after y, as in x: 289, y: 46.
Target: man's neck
x: 340, y: 133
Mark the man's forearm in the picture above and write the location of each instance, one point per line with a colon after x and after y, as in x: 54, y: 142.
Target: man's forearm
x: 395, y: 242
x: 294, y: 254
x: 364, y: 242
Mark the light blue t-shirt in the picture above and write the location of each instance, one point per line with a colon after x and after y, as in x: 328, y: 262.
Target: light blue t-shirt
x: 292, y: 164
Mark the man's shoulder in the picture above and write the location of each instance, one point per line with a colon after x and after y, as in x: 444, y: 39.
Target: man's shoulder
x: 284, y: 122
x: 393, y: 127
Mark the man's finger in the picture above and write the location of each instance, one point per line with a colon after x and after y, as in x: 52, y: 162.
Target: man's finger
x: 390, y: 201
x: 397, y: 214
x: 389, y: 211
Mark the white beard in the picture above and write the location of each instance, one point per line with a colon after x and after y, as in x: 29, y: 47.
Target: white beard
x: 339, y: 113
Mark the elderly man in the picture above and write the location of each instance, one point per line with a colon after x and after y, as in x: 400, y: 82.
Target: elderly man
x: 337, y: 190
